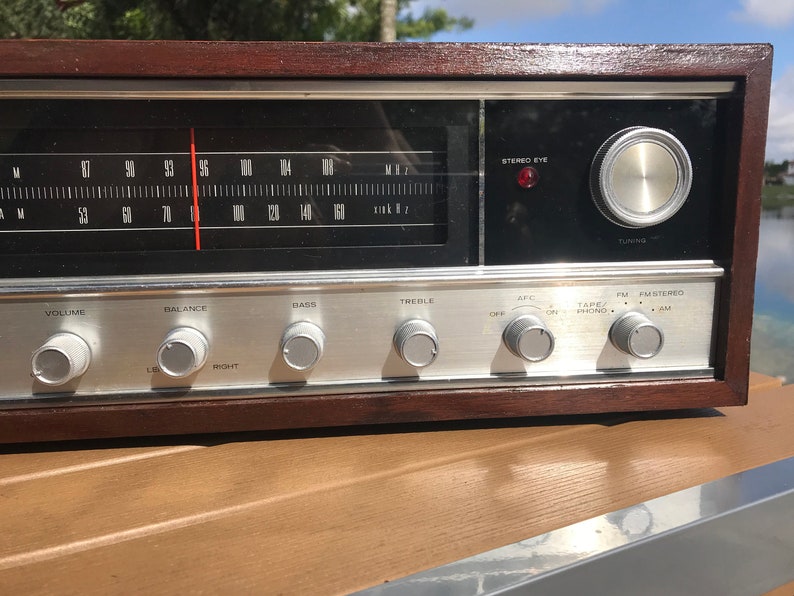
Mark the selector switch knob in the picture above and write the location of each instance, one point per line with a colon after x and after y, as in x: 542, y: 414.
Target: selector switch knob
x: 63, y: 357
x: 416, y: 342
x: 183, y: 352
x: 528, y: 338
x: 302, y: 345
x: 636, y: 335
x: 640, y: 177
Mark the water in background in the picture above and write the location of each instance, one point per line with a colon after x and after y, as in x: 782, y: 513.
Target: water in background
x: 772, y: 350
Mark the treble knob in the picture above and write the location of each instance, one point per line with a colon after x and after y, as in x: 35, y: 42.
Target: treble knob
x: 640, y: 177
x: 416, y: 342
x: 63, y: 357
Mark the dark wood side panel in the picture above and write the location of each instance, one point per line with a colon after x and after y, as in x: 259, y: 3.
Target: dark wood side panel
x: 738, y: 302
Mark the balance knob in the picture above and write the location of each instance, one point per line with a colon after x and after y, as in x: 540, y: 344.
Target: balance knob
x: 302, y: 345
x: 636, y: 335
x: 183, y: 352
x: 416, y: 342
x: 528, y: 338
x: 63, y: 357
x: 640, y: 177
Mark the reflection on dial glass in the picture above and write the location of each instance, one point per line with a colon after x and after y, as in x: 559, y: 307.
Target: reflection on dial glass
x: 218, y: 175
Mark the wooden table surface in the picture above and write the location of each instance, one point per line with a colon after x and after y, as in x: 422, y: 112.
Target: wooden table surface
x: 332, y: 513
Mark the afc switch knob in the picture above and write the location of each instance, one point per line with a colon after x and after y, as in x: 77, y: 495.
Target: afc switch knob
x: 302, y: 345
x: 416, y: 342
x: 636, y: 335
x: 640, y: 177
x: 528, y: 338
x: 61, y: 358
x: 183, y: 352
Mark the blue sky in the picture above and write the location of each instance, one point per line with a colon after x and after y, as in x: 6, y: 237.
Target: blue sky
x: 646, y: 21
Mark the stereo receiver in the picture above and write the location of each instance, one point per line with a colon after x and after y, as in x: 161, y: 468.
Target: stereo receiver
x: 200, y: 237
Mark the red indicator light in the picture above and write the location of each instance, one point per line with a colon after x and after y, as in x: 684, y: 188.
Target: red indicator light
x: 527, y: 177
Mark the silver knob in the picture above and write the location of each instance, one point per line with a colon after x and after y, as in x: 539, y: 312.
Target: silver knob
x: 416, y: 342
x: 183, y: 352
x: 302, y: 345
x: 528, y: 338
x: 640, y: 177
x: 636, y: 335
x: 63, y: 357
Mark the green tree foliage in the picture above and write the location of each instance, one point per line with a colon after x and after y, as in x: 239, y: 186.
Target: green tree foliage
x: 338, y: 20
x: 773, y: 170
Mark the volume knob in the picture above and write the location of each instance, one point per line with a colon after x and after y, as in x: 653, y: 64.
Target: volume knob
x: 528, y: 338
x: 636, y: 335
x: 416, y: 342
x: 61, y: 358
x: 640, y: 177
x: 183, y: 352
x: 302, y: 345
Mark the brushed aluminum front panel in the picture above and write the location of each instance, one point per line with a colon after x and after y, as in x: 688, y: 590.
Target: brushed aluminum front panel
x: 244, y: 321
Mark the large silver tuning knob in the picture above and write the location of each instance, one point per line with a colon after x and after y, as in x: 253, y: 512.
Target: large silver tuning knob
x: 183, y: 352
x: 528, y: 338
x: 302, y: 345
x: 636, y: 335
x: 640, y: 177
x: 61, y: 358
x: 416, y: 342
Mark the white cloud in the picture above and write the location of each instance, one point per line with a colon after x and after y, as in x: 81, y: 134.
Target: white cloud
x: 780, y: 136
x: 486, y: 13
x: 771, y: 13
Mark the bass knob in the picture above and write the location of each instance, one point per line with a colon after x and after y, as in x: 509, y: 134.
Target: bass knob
x: 302, y: 345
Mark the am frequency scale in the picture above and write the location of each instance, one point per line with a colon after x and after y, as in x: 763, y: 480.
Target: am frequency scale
x: 230, y: 241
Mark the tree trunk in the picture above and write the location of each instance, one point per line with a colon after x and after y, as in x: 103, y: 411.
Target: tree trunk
x: 388, y: 20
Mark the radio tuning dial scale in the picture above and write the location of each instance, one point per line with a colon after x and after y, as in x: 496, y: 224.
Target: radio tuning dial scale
x: 236, y: 240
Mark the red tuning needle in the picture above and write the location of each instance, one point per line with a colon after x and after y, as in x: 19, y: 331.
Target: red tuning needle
x: 195, y: 188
